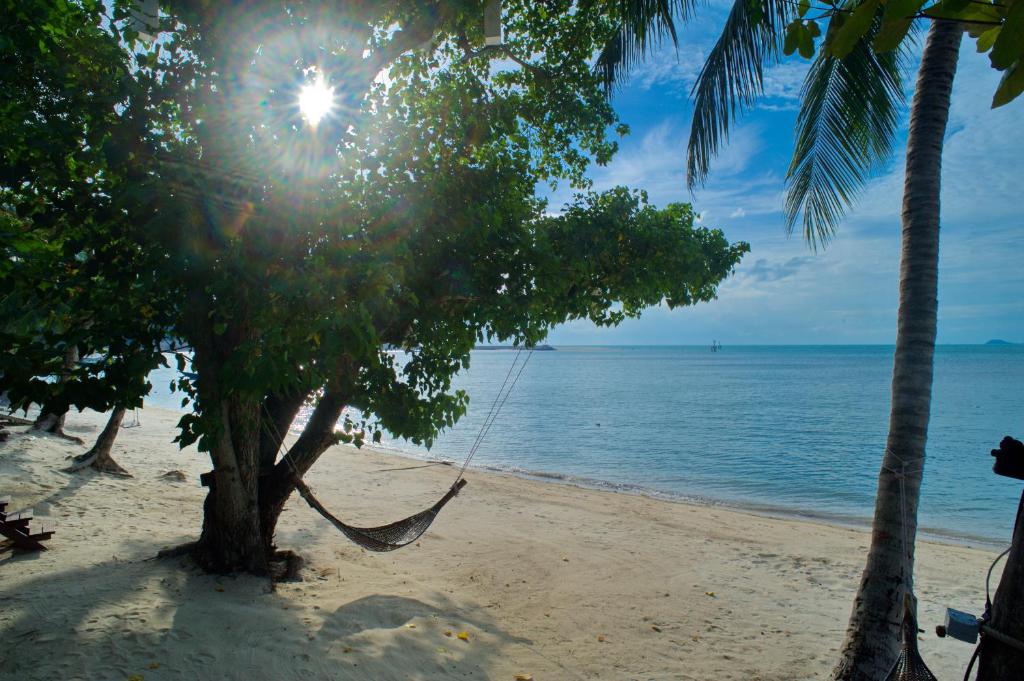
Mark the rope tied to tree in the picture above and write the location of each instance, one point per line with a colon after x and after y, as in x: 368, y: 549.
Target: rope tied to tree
x: 407, y: 530
x: 909, y: 665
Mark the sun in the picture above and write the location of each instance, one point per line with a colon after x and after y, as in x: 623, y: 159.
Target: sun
x: 316, y: 100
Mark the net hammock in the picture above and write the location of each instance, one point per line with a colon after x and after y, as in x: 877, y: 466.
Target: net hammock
x: 407, y: 530
x: 909, y: 665
x: 385, y: 537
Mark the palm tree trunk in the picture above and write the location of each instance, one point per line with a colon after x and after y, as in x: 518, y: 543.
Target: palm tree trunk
x: 873, y: 635
x: 998, y: 660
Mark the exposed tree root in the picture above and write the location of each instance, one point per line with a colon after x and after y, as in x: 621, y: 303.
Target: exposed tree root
x: 285, y: 566
x: 61, y: 434
x: 103, y: 464
x: 98, y: 458
x: 52, y: 424
x: 185, y: 549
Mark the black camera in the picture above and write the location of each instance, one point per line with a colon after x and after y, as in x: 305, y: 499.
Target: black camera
x: 1009, y: 458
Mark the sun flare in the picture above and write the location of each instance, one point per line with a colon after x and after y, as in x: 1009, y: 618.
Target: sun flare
x: 316, y: 100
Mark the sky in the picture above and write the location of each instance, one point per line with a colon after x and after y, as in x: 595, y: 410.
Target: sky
x: 783, y: 292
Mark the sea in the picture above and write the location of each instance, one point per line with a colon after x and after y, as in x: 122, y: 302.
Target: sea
x: 780, y: 430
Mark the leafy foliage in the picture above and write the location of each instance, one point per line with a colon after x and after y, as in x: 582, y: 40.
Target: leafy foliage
x: 70, y: 275
x: 998, y: 27
x: 851, y: 93
x: 849, y: 112
x: 365, y: 257
x: 732, y: 77
x: 642, y: 26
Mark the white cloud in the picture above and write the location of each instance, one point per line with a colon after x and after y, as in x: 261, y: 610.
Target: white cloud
x: 782, y: 84
x: 782, y: 293
x: 656, y: 162
x: 669, y: 69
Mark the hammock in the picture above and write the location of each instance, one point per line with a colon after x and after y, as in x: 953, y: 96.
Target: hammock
x: 386, y: 537
x: 909, y: 665
x: 404, y: 532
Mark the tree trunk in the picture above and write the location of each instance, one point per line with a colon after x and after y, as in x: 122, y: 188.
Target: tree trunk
x: 98, y: 458
x: 873, y: 635
x: 50, y: 419
x: 231, y: 540
x: 278, y: 484
x: 247, y: 490
x: 239, y: 525
x: 999, y: 661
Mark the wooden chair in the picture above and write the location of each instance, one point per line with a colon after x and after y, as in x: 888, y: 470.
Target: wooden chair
x: 22, y: 530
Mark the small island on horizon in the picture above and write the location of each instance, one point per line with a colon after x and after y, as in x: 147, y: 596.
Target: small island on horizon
x: 999, y: 341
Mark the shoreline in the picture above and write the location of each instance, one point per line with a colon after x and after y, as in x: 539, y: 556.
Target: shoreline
x: 759, y: 509
x: 554, y: 581
x: 837, y: 520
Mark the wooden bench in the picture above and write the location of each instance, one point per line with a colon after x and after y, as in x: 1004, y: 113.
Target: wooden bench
x: 21, y: 519
x: 22, y: 529
x: 41, y: 530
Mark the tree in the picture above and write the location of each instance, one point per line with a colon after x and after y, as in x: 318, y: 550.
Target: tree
x: 51, y: 418
x: 72, y: 284
x: 846, y: 125
x: 292, y: 257
x: 99, y: 458
x: 868, y: 652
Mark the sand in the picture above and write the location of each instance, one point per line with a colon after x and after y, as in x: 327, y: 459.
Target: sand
x: 547, y: 580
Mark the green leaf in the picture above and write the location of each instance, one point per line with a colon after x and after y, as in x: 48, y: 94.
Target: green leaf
x: 803, y: 8
x: 806, y: 43
x: 1009, y: 44
x: 896, y: 22
x: 754, y: 10
x: 892, y: 34
x: 733, y: 76
x: 856, y: 25
x: 219, y: 328
x: 952, y: 7
x: 848, y: 119
x: 792, y: 40
x: 986, y: 39
x: 1010, y: 86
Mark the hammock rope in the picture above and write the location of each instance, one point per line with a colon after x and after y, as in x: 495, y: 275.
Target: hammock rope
x: 909, y: 665
x: 407, y: 530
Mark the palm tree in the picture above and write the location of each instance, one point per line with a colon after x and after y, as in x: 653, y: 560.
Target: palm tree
x: 872, y: 635
x: 847, y: 123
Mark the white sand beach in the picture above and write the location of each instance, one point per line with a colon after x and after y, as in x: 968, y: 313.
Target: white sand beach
x: 545, y: 580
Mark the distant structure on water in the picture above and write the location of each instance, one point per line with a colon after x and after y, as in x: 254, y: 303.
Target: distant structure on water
x: 715, y: 346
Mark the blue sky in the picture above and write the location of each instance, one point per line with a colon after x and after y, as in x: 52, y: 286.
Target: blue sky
x: 783, y: 292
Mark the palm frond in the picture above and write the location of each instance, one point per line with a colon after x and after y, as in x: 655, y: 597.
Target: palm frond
x: 848, y: 118
x: 642, y: 26
x: 733, y: 77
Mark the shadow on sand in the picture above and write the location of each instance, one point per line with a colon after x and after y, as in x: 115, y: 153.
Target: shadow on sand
x: 163, y: 619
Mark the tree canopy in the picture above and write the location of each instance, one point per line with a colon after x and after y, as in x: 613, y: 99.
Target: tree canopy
x: 172, y: 191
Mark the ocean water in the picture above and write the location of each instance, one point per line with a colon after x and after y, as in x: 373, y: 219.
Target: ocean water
x: 783, y: 429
